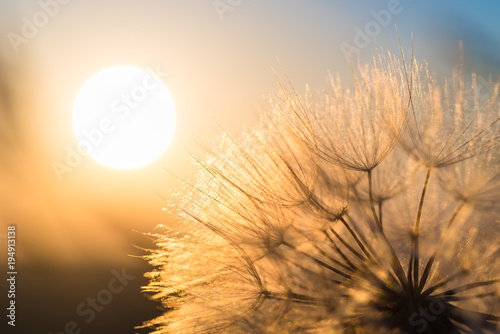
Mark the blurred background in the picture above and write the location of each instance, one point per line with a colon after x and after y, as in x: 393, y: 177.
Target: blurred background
x: 216, y: 57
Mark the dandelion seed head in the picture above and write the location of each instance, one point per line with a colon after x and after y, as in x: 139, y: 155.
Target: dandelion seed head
x: 350, y: 211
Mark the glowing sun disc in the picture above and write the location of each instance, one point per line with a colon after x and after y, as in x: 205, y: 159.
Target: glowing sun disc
x: 124, y: 117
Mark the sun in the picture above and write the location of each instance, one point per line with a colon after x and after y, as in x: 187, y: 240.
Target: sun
x: 124, y: 117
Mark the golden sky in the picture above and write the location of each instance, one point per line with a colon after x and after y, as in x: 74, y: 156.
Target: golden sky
x: 217, y: 63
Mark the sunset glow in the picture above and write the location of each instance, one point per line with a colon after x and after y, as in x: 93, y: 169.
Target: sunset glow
x: 123, y: 118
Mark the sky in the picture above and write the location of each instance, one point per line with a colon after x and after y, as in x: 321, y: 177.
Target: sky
x: 218, y: 59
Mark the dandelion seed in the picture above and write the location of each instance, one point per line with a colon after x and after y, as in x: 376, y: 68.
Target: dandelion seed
x: 356, y: 127
x: 448, y: 122
x: 476, y: 180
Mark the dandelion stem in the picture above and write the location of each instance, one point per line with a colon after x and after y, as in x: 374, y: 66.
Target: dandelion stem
x: 467, y: 287
x: 380, y: 213
x: 474, y: 296
x: 352, y: 250
x: 431, y: 260
x: 291, y: 296
x: 415, y: 260
x: 349, y: 267
x: 358, y: 241
x: 312, y: 272
x: 318, y: 261
x: 455, y: 315
x: 421, y: 205
x: 372, y: 204
x: 455, y: 214
x: 395, y: 262
x: 436, y: 286
x: 368, y: 274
